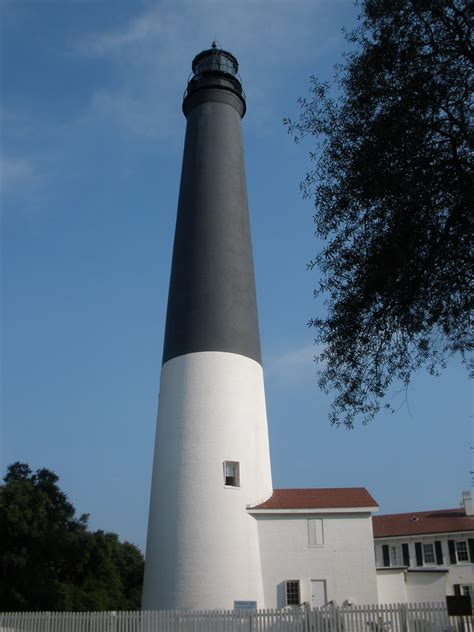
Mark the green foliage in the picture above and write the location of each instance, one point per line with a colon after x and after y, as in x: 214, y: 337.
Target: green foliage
x: 392, y: 187
x: 48, y: 558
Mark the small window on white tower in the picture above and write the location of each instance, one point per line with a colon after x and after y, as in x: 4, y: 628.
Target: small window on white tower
x: 231, y: 474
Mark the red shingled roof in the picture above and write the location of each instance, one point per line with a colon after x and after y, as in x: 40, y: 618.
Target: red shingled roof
x: 417, y: 523
x: 330, y: 498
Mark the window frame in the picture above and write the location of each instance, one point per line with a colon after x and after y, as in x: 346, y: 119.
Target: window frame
x: 425, y: 561
x: 463, y: 590
x: 387, y: 558
x: 397, y: 559
x: 458, y: 560
x: 236, y: 476
x: 297, y: 594
x: 317, y: 544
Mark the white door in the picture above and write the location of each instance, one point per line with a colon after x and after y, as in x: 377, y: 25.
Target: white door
x: 318, y: 593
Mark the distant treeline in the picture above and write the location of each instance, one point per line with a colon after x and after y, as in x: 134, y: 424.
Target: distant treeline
x: 49, y: 560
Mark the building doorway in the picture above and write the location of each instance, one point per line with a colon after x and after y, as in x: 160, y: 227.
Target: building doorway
x: 318, y: 593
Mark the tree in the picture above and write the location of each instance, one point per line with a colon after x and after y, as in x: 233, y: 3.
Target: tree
x: 48, y: 558
x: 392, y: 187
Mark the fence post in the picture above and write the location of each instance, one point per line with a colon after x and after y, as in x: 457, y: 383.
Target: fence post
x: 403, y: 618
x: 306, y: 627
x: 113, y: 620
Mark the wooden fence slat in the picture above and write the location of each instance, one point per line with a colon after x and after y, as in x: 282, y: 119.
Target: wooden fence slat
x: 32, y: 620
x: 27, y: 620
x: 359, y: 618
x: 36, y: 621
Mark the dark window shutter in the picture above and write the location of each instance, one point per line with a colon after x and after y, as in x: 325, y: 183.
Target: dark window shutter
x: 439, y: 553
x: 452, y: 552
x: 386, y: 555
x: 457, y: 590
x: 406, y: 554
x: 419, y: 554
x: 470, y: 544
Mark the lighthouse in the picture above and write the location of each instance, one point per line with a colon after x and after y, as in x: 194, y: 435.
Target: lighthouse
x: 211, y: 459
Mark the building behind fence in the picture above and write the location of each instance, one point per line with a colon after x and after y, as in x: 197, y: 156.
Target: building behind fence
x: 424, y: 617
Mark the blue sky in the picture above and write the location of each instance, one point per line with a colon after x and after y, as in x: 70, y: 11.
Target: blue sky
x: 91, y: 143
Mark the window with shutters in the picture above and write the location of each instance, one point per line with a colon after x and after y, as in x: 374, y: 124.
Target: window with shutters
x: 292, y: 592
x: 393, y: 554
x: 231, y: 474
x: 429, y: 553
x: 315, y: 532
x: 461, y: 551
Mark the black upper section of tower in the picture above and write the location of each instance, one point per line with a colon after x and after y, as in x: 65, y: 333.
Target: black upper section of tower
x: 212, y: 300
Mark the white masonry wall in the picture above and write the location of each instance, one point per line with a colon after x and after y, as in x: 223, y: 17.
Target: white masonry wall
x: 391, y: 585
x: 202, y: 549
x: 345, y: 560
x: 425, y: 586
x: 397, y: 585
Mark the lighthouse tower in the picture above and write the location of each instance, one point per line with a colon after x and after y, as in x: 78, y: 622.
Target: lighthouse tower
x: 211, y: 454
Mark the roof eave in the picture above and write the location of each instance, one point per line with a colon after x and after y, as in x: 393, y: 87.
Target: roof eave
x: 313, y: 510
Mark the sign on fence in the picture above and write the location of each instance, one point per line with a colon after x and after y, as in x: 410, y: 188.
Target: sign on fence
x: 245, y: 605
x: 459, y: 605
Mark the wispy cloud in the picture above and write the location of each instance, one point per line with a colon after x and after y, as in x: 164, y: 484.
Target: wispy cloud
x: 149, y: 57
x: 131, y: 113
x: 18, y: 175
x: 262, y: 28
x: 292, y: 365
x: 144, y: 27
x: 152, y: 53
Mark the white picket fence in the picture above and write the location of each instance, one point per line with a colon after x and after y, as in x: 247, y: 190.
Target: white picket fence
x: 424, y: 617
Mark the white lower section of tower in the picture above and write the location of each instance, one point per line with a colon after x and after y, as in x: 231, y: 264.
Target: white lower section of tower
x: 202, y: 548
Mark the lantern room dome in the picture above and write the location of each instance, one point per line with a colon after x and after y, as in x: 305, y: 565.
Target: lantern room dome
x: 215, y: 68
x: 215, y: 59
